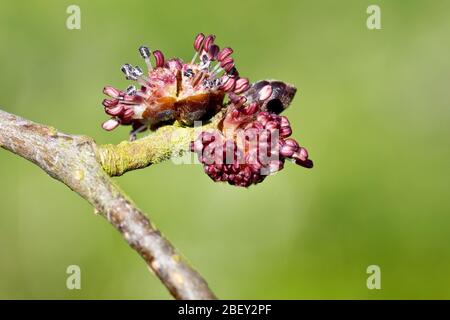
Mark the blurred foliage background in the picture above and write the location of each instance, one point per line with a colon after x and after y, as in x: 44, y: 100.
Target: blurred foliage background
x: 372, y: 109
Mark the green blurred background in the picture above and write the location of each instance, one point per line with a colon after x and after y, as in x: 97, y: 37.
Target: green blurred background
x: 372, y: 109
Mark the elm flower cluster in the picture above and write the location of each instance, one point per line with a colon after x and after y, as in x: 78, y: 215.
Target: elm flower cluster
x: 174, y: 90
x: 252, y: 141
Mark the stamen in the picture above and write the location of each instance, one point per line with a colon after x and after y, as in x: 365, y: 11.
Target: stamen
x: 233, y: 73
x: 252, y: 108
x: 235, y: 113
x: 128, y: 114
x: 109, y: 103
x: 224, y: 53
x: 234, y: 98
x: 194, y: 57
x: 285, y: 132
x: 292, y: 143
x: 159, y: 57
x: 204, y: 61
x: 126, y: 69
x: 145, y: 54
x: 228, y: 84
x: 112, y: 92
x: 197, y: 78
x: 226, y: 61
x: 209, y: 41
x: 284, y: 122
x: 228, y: 67
x: 242, y: 85
x: 131, y: 90
x: 115, y: 111
x: 215, y: 70
x: 216, y: 82
x: 135, y: 73
x: 198, y: 42
x: 213, y: 52
x: 110, y: 124
x: 201, y: 78
x: 188, y: 73
x: 142, y: 94
x: 225, y: 65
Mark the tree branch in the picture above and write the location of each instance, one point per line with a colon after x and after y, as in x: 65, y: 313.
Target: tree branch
x: 164, y: 143
x: 83, y: 166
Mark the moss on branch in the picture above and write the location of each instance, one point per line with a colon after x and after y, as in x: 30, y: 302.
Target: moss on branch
x: 163, y: 144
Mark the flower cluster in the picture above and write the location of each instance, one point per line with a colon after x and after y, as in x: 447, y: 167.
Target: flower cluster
x: 173, y: 90
x: 252, y: 141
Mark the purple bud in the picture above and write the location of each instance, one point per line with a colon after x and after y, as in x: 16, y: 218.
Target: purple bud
x: 287, y: 150
x: 303, y: 153
x: 292, y: 143
x: 285, y: 132
x: 271, y: 125
x: 284, y: 121
x: 307, y: 163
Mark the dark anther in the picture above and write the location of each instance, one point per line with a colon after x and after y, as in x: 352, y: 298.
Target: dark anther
x: 144, y: 51
x: 275, y: 106
x: 188, y: 73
